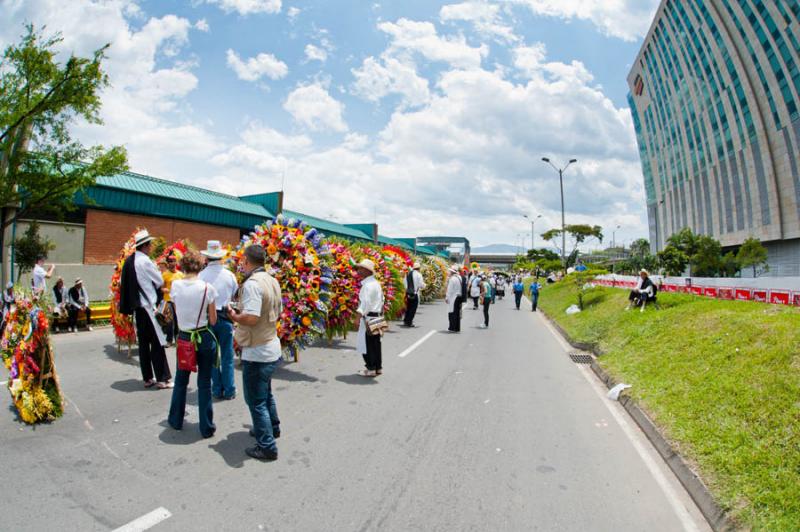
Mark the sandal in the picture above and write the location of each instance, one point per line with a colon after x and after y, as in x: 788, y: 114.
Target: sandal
x: 150, y: 383
x: 164, y: 385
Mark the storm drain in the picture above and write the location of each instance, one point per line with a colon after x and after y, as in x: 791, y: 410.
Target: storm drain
x: 580, y: 358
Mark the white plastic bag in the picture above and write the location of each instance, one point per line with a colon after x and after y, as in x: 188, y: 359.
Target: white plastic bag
x: 573, y: 309
x: 614, y: 392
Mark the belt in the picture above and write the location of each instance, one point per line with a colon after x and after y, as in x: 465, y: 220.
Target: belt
x: 373, y: 314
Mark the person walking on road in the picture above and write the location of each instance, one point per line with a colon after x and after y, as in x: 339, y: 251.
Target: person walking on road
x: 413, y: 284
x: 194, y: 301
x: 519, y: 290
x: 486, y: 299
x: 257, y: 316
x: 534, y: 291
x: 453, y: 300
x: 475, y: 290
x: 140, y: 290
x: 370, y: 305
x: 223, y: 385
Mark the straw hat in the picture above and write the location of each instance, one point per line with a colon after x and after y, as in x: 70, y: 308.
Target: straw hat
x: 142, y: 237
x: 417, y: 266
x: 213, y: 250
x: 367, y: 265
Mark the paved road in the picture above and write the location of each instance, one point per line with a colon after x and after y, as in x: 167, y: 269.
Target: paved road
x: 487, y: 430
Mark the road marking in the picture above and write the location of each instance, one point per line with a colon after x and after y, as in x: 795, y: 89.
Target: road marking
x: 416, y: 344
x: 486, y: 402
x: 3, y: 383
x: 146, y: 521
x: 635, y: 438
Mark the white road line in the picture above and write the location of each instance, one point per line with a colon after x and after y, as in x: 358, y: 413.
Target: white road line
x: 416, y: 344
x: 634, y: 437
x: 146, y: 521
x: 3, y: 383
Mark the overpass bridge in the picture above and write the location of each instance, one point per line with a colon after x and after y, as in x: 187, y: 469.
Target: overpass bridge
x: 496, y: 260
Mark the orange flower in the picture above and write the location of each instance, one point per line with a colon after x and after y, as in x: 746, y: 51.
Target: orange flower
x: 306, y: 321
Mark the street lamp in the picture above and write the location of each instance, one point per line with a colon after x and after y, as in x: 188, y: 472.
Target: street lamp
x: 533, y: 221
x: 563, y: 223
x: 614, y: 237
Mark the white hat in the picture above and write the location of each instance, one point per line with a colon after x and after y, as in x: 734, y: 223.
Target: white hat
x: 454, y: 269
x: 9, y: 285
x: 643, y: 271
x: 78, y: 280
x: 213, y: 250
x: 142, y: 237
x: 416, y: 266
x: 367, y: 265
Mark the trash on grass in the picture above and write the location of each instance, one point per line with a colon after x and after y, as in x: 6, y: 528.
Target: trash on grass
x: 573, y: 309
x: 614, y: 392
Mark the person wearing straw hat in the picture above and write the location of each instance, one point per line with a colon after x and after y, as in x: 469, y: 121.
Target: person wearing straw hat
x: 223, y: 385
x: 644, y: 292
x: 413, y: 284
x: 140, y: 288
x: 370, y: 304
x: 78, y: 300
x: 453, y: 298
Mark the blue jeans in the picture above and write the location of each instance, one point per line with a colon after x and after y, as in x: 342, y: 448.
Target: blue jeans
x: 222, y: 382
x: 206, y: 356
x: 257, y: 383
x: 534, y: 301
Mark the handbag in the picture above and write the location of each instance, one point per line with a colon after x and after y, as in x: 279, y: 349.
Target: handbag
x: 376, y: 325
x: 187, y: 349
x: 164, y: 314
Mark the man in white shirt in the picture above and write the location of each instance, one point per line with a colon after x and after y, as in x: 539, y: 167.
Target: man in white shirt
x: 139, y: 292
x: 257, y: 318
x: 39, y: 275
x: 413, y: 283
x: 453, y: 300
x: 77, y: 300
x: 223, y: 385
x: 370, y: 304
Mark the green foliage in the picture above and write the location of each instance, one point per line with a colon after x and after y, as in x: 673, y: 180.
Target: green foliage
x: 157, y: 247
x: 29, y: 247
x: 578, y: 234
x: 753, y: 255
x: 542, y: 254
x: 707, y: 258
x: 41, y: 166
x: 672, y: 260
x: 582, y: 283
x: 729, y: 265
x: 640, y: 248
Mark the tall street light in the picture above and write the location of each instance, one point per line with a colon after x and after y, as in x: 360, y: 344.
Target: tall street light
x: 563, y: 223
x: 533, y: 221
x: 614, y: 237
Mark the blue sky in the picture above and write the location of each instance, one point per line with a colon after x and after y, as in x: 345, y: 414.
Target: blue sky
x: 433, y: 114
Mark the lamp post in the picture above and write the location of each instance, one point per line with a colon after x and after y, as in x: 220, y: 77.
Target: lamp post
x: 614, y: 237
x: 533, y: 221
x: 563, y: 223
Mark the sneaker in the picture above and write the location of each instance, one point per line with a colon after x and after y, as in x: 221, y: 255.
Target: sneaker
x: 264, y: 455
x: 164, y: 385
x: 367, y: 373
x: 89, y: 328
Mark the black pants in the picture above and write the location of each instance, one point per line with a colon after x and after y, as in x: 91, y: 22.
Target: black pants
x: 486, y: 312
x: 171, y: 329
x: 475, y: 301
x: 373, y: 358
x: 518, y: 298
x: 455, y: 316
x: 152, y: 357
x: 72, y: 316
x: 411, y: 310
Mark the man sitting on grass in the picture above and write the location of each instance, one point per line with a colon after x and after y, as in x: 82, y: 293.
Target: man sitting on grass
x: 642, y: 294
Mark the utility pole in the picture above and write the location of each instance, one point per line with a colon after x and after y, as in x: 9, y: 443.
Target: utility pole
x: 563, y: 222
x: 533, y: 221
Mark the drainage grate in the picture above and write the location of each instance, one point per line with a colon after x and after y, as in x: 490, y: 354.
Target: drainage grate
x: 580, y: 358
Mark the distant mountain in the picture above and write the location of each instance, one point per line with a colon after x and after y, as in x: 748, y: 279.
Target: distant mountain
x: 496, y: 248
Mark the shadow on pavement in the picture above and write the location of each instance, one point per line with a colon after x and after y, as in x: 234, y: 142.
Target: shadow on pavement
x: 122, y: 356
x: 357, y: 380
x: 285, y: 374
x: 189, y: 434
x: 130, y: 385
x: 231, y: 449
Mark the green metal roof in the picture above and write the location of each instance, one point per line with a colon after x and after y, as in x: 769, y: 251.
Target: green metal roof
x: 392, y: 242
x: 329, y: 228
x: 141, y: 194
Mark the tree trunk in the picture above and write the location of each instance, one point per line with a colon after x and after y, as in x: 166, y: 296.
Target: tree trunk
x: 20, y: 138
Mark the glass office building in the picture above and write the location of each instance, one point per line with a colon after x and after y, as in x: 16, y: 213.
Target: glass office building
x: 715, y: 99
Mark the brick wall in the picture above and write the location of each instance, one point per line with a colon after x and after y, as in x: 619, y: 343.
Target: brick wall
x: 106, y: 233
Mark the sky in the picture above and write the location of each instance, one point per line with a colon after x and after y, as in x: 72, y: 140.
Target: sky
x: 429, y: 118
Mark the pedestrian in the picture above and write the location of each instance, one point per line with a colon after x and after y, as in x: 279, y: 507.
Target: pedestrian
x: 77, y: 301
x: 258, y: 311
x: 8, y: 302
x: 60, y: 302
x: 519, y: 290
x: 223, y: 384
x: 453, y: 300
x: 413, y: 284
x: 493, y: 282
x: 39, y: 276
x: 370, y: 305
x: 475, y: 290
x: 170, y: 273
x: 486, y: 299
x: 140, y: 290
x: 534, y: 291
x: 194, y: 301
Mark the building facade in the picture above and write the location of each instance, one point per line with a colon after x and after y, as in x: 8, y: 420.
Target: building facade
x: 715, y: 100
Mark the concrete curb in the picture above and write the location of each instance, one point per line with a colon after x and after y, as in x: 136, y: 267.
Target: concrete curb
x: 697, y: 490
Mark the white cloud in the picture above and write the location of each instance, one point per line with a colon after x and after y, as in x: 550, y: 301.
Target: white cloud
x: 202, y: 25
x: 293, y: 12
x: 485, y: 17
x: 248, y: 7
x: 254, y: 68
x: 377, y: 78
x: 421, y: 37
x: 316, y: 53
x: 312, y: 106
x: 626, y: 19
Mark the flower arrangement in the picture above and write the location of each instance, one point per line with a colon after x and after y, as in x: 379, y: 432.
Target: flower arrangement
x: 294, y: 257
x: 344, y: 290
x: 178, y: 249
x: 474, y: 266
x: 28, y: 356
x: 122, y: 324
x: 388, y: 277
x: 434, y: 272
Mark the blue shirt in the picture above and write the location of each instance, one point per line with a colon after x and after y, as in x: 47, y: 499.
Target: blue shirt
x: 535, y: 289
x: 519, y: 287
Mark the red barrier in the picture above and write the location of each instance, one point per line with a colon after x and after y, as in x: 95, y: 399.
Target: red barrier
x: 710, y: 291
x: 744, y: 294
x: 726, y: 293
x: 670, y: 288
x: 796, y: 299
x: 779, y: 297
x: 696, y: 290
x: 760, y: 295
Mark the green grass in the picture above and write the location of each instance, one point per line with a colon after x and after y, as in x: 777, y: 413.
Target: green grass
x: 721, y: 379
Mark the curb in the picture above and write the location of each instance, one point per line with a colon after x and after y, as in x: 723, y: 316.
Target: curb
x: 714, y: 514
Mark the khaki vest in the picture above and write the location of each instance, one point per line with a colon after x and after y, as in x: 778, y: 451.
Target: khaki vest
x: 264, y: 331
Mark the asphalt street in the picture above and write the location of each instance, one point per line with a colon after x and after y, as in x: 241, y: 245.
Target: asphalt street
x: 492, y: 429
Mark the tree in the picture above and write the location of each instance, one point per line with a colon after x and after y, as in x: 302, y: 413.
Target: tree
x: 542, y: 253
x: 753, y: 255
x: 707, y: 258
x: 41, y: 166
x: 578, y: 234
x: 640, y: 248
x: 673, y: 260
x: 729, y: 265
x: 29, y: 247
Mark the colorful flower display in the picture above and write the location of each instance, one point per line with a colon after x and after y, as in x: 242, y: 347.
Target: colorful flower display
x: 434, y: 272
x: 28, y: 357
x: 344, y: 290
x: 122, y: 324
x: 387, y: 275
x: 178, y: 249
x: 294, y: 257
